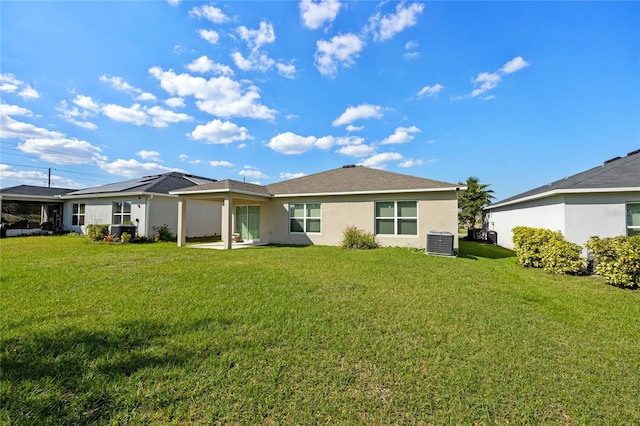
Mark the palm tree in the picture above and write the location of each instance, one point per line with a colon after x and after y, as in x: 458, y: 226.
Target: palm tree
x: 472, y: 201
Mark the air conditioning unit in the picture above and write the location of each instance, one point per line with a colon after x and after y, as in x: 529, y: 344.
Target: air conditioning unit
x: 440, y: 243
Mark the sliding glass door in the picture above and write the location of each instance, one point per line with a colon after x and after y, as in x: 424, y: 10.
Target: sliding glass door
x: 248, y: 222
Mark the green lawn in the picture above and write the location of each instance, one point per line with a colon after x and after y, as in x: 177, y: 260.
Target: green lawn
x: 151, y: 333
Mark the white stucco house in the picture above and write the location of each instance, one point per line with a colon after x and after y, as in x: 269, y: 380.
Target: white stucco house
x: 145, y: 202
x: 316, y: 209
x: 603, y: 201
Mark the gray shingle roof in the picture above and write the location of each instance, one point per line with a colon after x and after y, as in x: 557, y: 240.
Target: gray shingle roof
x: 37, y: 191
x: 157, y: 184
x: 619, y: 172
x: 227, y: 185
x: 355, y: 179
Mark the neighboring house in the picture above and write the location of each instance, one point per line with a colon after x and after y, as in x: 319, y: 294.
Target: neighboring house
x: 144, y: 202
x: 603, y: 201
x: 49, y: 199
x: 316, y: 209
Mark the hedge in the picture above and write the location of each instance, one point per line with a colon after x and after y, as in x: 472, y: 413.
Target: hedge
x: 617, y: 259
x: 543, y: 248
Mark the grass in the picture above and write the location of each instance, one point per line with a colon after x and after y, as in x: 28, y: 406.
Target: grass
x: 155, y: 334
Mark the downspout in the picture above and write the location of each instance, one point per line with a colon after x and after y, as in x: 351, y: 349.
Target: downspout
x: 146, y: 216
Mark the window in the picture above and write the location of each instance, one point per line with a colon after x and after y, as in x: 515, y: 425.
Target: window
x: 397, y: 217
x: 121, y: 212
x: 304, y: 217
x: 77, y: 215
x: 633, y: 219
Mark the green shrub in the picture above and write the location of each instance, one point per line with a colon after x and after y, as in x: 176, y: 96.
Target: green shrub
x: 97, y: 232
x: 528, y: 244
x: 617, y: 259
x: 354, y: 238
x: 164, y: 234
x: 562, y: 257
x: 125, y: 237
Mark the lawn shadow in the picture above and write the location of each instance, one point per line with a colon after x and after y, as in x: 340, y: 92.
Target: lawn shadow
x: 75, y: 369
x: 475, y: 250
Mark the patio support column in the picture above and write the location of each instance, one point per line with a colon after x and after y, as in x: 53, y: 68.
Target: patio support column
x: 182, y: 222
x: 227, y: 221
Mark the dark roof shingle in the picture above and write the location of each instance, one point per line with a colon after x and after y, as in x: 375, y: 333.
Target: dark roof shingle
x: 157, y: 184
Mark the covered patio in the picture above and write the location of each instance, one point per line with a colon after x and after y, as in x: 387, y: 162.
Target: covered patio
x: 241, y: 212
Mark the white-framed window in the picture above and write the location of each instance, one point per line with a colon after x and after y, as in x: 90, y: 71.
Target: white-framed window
x: 77, y: 214
x: 304, y: 217
x: 396, y: 218
x: 121, y: 212
x: 633, y: 219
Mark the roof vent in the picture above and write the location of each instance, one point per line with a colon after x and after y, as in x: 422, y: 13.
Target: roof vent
x: 611, y: 160
x: 633, y: 152
x: 348, y: 166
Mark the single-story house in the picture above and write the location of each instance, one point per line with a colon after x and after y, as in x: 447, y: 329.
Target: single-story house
x: 316, y: 209
x: 603, y: 201
x: 144, y: 202
x: 49, y: 199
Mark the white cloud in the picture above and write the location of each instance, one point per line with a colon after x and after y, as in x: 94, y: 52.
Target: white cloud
x: 37, y: 178
x: 219, y: 132
x: 379, y: 161
x: 174, y: 2
x: 133, y: 115
x: 220, y: 164
x: 161, y: 117
x: 6, y: 109
x: 411, y: 163
x: 290, y: 143
x: 352, y: 128
x: 256, y: 38
x: 134, y: 168
x: 76, y: 115
x: 209, y: 13
x: 516, y: 64
x: 29, y: 92
x: 86, y: 102
x: 204, y: 65
x: 62, y: 150
x: 149, y: 155
x: 289, y: 175
x: 9, y: 83
x: 490, y: 80
x: 339, y: 51
x: 117, y: 83
x: 175, y: 102
x: 314, y: 15
x: 358, y: 113
x: 257, y: 60
x: 401, y: 135
x: 252, y: 172
x: 428, y: 91
x: 146, y: 96
x: 361, y: 150
x: 411, y: 45
x: 487, y: 81
x: 219, y: 96
x: 288, y: 71
x: 209, y: 35
x: 10, y: 128
x: 385, y: 27
x: 183, y: 157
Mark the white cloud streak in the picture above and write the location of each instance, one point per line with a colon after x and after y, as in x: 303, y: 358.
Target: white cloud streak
x: 359, y: 112
x: 315, y: 14
x: 341, y: 50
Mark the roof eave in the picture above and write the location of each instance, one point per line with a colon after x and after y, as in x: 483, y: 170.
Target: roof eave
x: 554, y: 192
x: 385, y: 191
x: 116, y: 195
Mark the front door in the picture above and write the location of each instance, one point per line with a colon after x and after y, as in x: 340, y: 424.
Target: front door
x: 248, y: 222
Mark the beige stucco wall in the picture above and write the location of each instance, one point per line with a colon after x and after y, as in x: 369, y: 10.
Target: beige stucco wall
x: 436, y: 211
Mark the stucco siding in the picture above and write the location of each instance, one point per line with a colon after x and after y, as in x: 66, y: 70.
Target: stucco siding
x: 436, y: 211
x: 547, y: 213
x: 603, y: 215
x: 100, y: 211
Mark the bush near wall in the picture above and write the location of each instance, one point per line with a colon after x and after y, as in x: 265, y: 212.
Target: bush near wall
x: 97, y: 231
x: 354, y: 238
x: 543, y: 248
x: 617, y: 259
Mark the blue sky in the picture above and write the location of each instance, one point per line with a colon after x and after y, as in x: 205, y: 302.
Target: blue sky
x: 518, y: 94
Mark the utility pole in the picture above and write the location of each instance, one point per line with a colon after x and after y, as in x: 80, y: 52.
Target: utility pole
x: 49, y: 186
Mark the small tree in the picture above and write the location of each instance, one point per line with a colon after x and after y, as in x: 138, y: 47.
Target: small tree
x: 472, y: 201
